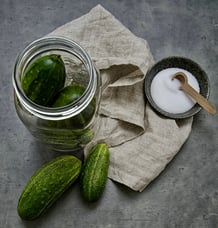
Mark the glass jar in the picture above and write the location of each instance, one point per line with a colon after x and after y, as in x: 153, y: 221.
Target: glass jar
x: 62, y: 128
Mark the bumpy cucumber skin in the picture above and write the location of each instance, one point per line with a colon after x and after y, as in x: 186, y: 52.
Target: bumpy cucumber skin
x: 94, y: 173
x: 44, y: 78
x: 68, y: 95
x: 47, y: 185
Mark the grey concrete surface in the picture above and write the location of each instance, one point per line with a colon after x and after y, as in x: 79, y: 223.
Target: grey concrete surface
x: 184, y: 195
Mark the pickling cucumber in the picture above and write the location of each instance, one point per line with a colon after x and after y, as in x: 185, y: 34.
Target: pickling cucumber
x: 94, y: 172
x: 70, y: 94
x: 44, y: 78
x: 47, y: 185
x: 66, y: 137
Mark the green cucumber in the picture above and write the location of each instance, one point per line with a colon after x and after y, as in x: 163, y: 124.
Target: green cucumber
x: 47, y: 185
x: 44, y: 78
x: 94, y: 172
x: 71, y: 139
x: 70, y: 94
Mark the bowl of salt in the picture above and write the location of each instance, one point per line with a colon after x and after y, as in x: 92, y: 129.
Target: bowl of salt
x: 164, y: 93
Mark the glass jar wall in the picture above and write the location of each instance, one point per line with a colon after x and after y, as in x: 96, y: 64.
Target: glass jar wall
x: 73, y: 125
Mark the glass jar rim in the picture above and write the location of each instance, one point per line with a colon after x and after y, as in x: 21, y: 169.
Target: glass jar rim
x: 63, y: 44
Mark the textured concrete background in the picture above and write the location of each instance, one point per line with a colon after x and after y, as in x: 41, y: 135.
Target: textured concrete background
x: 186, y: 193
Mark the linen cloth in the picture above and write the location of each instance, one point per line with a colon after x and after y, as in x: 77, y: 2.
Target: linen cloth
x: 141, y: 142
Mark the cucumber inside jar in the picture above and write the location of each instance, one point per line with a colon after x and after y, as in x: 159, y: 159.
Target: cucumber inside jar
x: 73, y: 131
x: 69, y: 138
x: 44, y: 78
x: 43, y: 83
x: 68, y: 95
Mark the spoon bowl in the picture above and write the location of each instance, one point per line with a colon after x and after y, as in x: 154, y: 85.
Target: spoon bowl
x: 204, y: 103
x: 183, y: 63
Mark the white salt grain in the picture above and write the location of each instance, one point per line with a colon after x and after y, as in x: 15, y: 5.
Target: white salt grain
x: 166, y: 93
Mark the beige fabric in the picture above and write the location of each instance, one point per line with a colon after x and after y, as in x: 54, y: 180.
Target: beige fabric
x: 141, y: 142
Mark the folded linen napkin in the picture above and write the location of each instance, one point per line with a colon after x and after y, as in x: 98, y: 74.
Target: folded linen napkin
x: 141, y: 141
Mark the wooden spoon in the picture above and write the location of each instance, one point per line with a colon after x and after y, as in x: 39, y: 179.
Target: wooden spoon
x: 203, y: 102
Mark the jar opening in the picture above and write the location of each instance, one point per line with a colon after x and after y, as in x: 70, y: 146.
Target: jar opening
x: 79, y: 69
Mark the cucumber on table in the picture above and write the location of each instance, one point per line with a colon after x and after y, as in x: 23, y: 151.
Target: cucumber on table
x: 47, y: 185
x: 94, y: 172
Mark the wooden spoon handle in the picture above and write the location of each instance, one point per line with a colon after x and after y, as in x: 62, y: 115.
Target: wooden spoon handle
x: 199, y: 99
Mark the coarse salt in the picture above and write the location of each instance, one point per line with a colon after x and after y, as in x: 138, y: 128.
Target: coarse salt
x: 166, y: 92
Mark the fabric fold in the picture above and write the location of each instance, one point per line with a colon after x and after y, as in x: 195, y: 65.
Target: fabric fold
x: 141, y: 141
